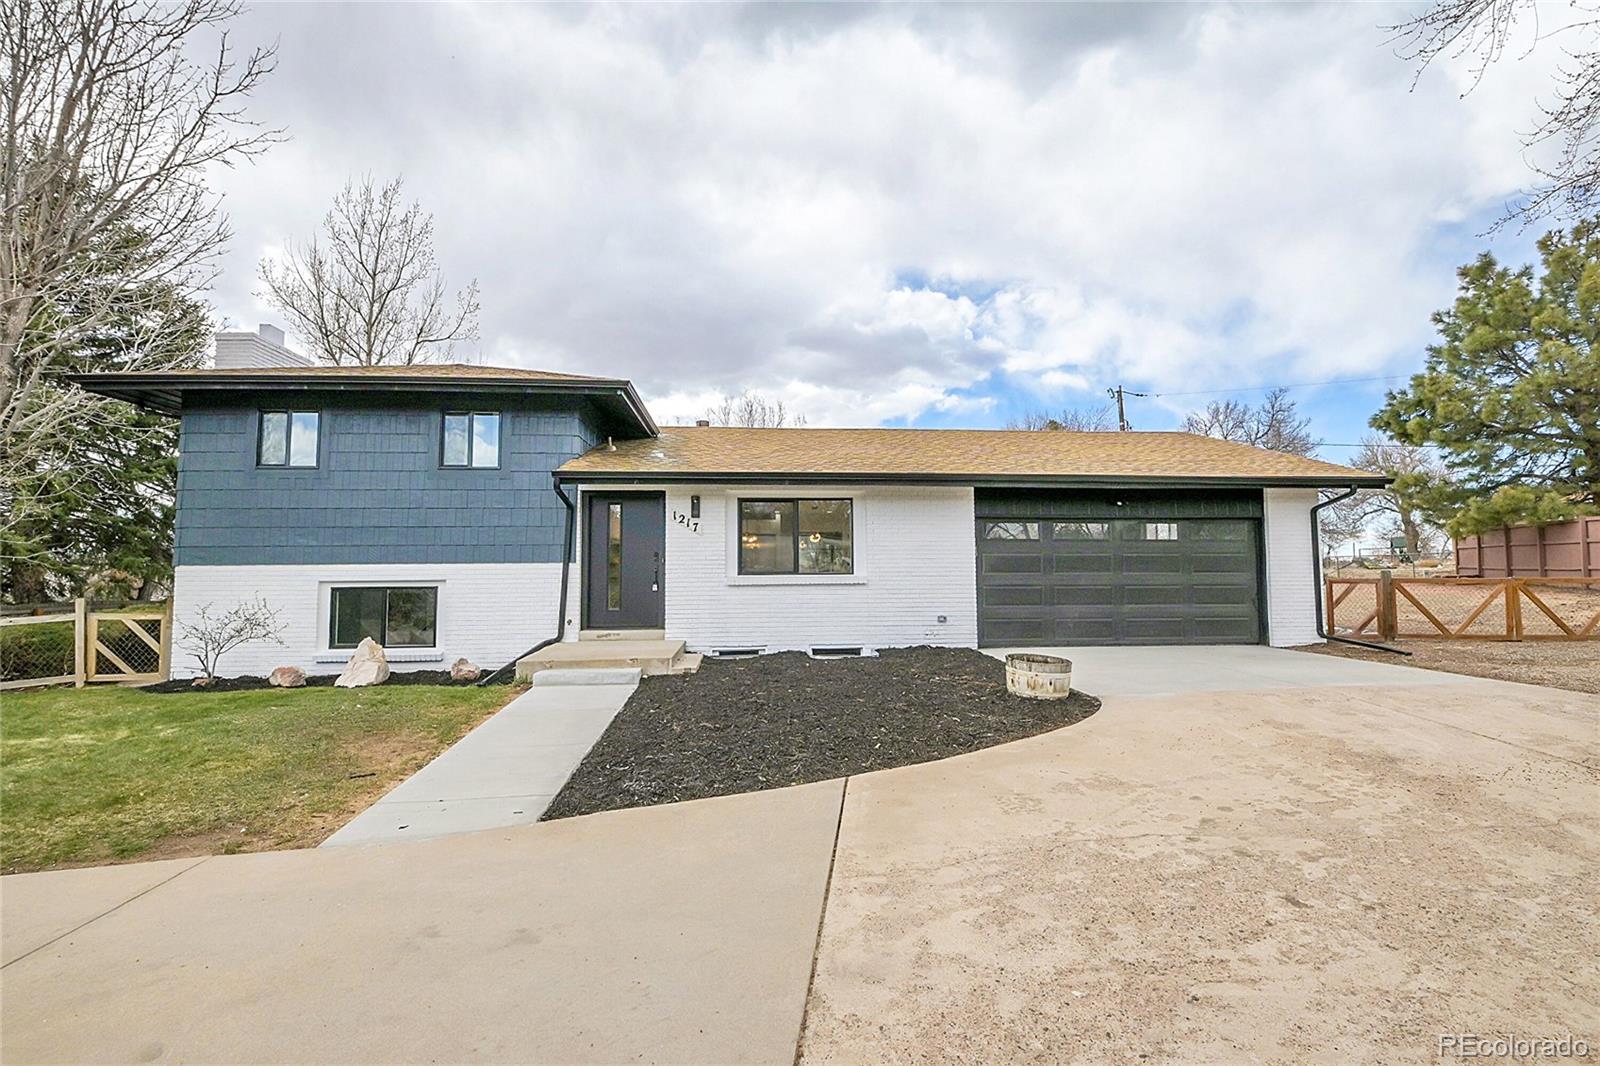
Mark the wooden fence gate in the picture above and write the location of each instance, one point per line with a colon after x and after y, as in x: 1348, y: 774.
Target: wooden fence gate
x: 1388, y: 608
x: 130, y: 644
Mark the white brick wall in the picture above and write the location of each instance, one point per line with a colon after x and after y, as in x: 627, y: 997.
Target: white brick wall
x: 1291, y: 570
x: 915, y: 559
x: 488, y: 612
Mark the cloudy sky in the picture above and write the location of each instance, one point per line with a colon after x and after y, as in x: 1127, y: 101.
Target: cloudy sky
x: 928, y: 216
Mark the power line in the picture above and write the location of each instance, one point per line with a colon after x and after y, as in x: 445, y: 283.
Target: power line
x: 1297, y: 385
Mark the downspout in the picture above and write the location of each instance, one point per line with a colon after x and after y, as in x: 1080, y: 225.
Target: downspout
x: 1316, y: 576
x: 566, y: 570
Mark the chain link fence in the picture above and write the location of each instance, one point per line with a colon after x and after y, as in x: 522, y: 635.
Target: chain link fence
x: 39, y: 648
x: 77, y: 643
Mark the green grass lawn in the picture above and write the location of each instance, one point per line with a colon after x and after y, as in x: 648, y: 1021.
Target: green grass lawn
x: 109, y: 774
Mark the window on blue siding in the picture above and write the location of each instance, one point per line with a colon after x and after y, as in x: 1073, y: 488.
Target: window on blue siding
x: 394, y: 617
x: 288, y: 438
x: 471, y: 438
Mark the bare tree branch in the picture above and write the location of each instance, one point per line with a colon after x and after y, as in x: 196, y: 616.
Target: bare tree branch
x: 1073, y: 419
x: 1480, y: 31
x: 752, y: 409
x: 108, y: 128
x: 367, y: 290
x: 1275, y: 424
x: 1394, y: 511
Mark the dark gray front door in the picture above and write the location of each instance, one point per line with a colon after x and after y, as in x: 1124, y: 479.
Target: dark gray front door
x: 624, y: 561
x: 1158, y: 580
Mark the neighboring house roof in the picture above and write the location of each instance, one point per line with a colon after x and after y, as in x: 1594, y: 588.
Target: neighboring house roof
x: 950, y: 455
x: 163, y: 391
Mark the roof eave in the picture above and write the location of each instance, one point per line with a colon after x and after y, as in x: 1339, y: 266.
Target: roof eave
x: 163, y: 393
x: 988, y: 480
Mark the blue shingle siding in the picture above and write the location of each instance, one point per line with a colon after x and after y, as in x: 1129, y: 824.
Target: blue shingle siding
x: 378, y: 494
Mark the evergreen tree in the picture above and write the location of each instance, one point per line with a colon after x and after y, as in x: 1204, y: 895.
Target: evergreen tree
x: 1511, y: 392
x: 90, y: 510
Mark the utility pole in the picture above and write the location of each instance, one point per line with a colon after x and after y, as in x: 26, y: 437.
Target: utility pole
x: 1122, y: 408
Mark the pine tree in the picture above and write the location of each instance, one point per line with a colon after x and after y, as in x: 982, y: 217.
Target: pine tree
x: 1511, y: 392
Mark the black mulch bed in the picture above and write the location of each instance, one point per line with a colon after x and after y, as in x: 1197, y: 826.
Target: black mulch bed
x: 247, y: 682
x: 745, y: 724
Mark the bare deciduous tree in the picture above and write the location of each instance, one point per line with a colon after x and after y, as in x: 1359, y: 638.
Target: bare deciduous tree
x: 1274, y: 424
x: 211, y: 634
x: 1074, y: 419
x: 368, y: 290
x: 110, y: 124
x: 1394, y: 511
x: 1482, y: 30
x: 753, y: 410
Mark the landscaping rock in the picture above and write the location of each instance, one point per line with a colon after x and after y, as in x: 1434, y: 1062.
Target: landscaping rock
x: 368, y: 666
x: 465, y: 670
x: 287, y: 677
x: 202, y: 682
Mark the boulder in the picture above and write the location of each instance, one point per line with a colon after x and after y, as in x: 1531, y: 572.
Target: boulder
x: 287, y: 677
x: 368, y: 666
x: 465, y: 670
x: 202, y: 682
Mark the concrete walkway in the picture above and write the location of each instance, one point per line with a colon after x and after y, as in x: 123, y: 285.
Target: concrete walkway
x: 503, y: 773
x: 679, y: 934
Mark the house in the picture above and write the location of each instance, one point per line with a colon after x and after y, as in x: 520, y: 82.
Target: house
x: 430, y: 507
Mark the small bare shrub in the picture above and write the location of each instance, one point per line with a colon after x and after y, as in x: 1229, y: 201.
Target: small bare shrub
x: 210, y: 634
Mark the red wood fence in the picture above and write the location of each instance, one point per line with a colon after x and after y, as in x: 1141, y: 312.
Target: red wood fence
x: 1565, y: 549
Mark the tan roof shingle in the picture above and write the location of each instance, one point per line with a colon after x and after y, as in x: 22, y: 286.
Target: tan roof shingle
x: 952, y: 453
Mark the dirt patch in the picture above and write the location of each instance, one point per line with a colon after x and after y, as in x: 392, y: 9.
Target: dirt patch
x: 247, y: 682
x: 1569, y: 664
x: 777, y: 720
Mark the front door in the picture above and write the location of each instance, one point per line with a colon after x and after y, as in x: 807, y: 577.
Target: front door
x: 624, y: 549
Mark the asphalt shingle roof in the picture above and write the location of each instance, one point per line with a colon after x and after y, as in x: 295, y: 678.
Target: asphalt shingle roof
x: 953, y: 454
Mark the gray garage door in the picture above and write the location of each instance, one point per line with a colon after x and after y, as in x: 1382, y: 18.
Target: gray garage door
x: 1075, y: 572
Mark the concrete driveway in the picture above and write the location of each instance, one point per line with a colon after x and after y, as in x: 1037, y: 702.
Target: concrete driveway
x: 1338, y: 868
x: 1328, y: 870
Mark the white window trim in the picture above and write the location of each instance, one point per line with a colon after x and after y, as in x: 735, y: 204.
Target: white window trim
x: 859, y: 551
x: 325, y: 654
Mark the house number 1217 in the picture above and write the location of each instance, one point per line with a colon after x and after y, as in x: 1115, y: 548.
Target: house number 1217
x: 691, y: 524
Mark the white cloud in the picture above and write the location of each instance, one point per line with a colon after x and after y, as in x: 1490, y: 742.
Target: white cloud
x: 712, y: 199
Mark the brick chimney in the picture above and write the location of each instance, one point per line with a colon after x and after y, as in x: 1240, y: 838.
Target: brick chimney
x: 262, y: 348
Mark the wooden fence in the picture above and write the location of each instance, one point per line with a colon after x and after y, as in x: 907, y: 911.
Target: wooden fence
x: 80, y: 645
x: 1562, y: 549
x: 1389, y: 608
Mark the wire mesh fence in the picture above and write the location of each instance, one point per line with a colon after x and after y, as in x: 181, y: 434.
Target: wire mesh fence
x: 51, y: 644
x: 1438, y: 609
x: 38, y: 649
x: 123, y: 646
x: 1353, y: 607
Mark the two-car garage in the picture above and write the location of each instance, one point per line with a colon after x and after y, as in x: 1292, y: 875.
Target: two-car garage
x: 1135, y: 567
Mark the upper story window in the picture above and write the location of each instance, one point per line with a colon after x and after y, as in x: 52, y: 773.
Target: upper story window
x: 471, y: 438
x: 795, y: 537
x: 288, y: 438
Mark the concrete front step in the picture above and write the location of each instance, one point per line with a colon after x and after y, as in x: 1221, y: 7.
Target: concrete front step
x: 621, y: 635
x: 649, y: 657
